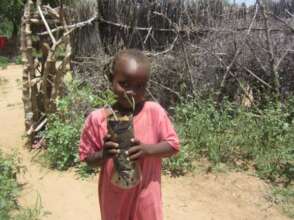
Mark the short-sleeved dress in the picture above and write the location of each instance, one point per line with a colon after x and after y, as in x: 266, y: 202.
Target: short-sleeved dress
x: 143, y: 202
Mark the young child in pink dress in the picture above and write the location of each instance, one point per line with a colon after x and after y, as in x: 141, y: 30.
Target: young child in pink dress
x: 155, y: 138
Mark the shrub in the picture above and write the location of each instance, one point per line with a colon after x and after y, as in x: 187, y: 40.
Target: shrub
x: 180, y: 164
x: 285, y: 198
x: 64, y: 127
x: 230, y: 134
x: 9, y: 189
x: 3, y: 62
x: 18, y: 60
x: 62, y: 141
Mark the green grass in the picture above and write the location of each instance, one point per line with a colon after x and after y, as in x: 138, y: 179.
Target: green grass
x: 284, y: 197
x: 10, y: 190
x: 3, y: 62
x: 238, y: 137
x: 6, y: 28
x: 18, y: 60
x: 234, y: 138
x: 33, y: 213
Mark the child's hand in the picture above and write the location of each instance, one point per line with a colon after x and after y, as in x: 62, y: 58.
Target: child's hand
x: 110, y: 148
x: 138, y: 150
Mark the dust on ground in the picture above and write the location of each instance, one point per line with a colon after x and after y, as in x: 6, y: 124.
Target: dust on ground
x: 231, y: 196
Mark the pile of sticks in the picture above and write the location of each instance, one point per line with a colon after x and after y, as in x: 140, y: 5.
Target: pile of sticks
x: 46, y: 53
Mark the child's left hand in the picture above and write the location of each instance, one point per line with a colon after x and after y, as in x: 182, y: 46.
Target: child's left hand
x: 137, y: 150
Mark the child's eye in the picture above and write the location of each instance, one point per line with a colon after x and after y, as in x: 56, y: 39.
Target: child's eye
x: 123, y: 84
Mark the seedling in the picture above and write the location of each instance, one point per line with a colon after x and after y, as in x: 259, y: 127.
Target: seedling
x: 126, y: 173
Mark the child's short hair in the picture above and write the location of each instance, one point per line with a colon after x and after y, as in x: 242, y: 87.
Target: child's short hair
x: 135, y: 54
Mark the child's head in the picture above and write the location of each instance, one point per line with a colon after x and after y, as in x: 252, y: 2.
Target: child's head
x: 131, y: 69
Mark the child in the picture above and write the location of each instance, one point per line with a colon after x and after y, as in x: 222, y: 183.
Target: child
x: 154, y: 135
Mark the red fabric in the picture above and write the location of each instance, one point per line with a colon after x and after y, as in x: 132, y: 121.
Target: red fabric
x: 3, y: 42
x: 142, y: 202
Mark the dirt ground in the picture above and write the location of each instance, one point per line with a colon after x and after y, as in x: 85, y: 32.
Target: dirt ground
x: 230, y: 196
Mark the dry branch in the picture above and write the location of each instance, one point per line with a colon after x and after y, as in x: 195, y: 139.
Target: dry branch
x: 170, y: 48
x: 161, y: 28
x: 51, y: 11
x: 167, y: 88
x: 237, y: 53
x: 281, y: 20
x: 257, y: 77
x: 73, y: 26
x: 43, y: 77
x: 46, y: 24
x: 270, y: 48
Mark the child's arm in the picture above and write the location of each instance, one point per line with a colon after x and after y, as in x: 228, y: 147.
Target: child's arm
x: 93, y: 149
x: 168, y: 141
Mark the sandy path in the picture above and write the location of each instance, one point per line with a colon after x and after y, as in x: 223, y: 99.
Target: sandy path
x: 233, y: 196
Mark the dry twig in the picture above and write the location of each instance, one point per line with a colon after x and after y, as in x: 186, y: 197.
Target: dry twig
x: 237, y: 53
x: 73, y: 26
x: 46, y: 24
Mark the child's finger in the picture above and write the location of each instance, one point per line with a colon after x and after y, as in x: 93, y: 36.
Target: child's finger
x: 113, y: 151
x: 107, y: 137
x: 135, y: 141
x: 133, y: 150
x: 136, y: 156
x: 111, y: 144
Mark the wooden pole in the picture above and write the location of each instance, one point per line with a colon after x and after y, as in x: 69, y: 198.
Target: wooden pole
x: 26, y: 49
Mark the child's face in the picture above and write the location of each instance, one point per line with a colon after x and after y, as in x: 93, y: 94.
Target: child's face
x: 129, y: 78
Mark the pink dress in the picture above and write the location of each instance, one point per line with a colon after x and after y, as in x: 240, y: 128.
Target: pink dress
x: 142, y: 202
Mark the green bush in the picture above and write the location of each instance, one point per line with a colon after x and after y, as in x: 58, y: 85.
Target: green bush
x: 64, y: 127
x: 180, y: 164
x: 9, y: 189
x: 62, y: 140
x: 3, y: 62
x: 262, y: 139
x: 10, y: 167
x: 18, y: 60
x: 6, y: 28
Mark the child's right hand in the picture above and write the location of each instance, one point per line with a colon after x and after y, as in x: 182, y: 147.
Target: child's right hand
x: 110, y: 148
